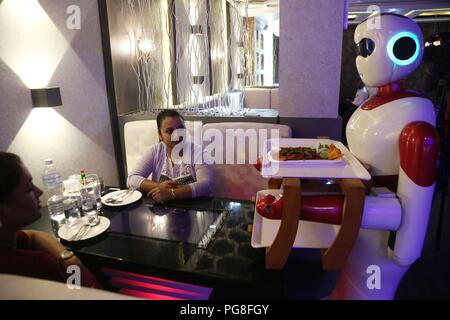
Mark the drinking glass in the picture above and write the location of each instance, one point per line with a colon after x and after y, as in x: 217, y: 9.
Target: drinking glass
x: 91, y: 197
x: 71, y: 208
x: 102, y: 185
x: 72, y: 199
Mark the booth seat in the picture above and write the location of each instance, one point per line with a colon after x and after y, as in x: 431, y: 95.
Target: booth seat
x: 261, y: 98
x: 236, y: 180
x: 240, y: 180
x: 13, y: 287
x: 140, y: 135
x: 274, y: 98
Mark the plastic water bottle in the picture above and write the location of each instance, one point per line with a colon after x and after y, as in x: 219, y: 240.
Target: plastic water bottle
x: 51, y: 177
x: 55, y: 204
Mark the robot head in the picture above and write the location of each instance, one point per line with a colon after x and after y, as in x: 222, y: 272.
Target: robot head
x: 390, y: 47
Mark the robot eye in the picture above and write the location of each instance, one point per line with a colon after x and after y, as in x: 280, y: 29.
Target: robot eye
x: 404, y: 48
x: 365, y: 47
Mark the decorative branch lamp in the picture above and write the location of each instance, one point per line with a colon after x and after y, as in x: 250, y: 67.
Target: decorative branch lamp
x: 46, y: 97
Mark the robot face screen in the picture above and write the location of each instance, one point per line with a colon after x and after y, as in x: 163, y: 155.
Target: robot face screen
x: 403, y: 48
x: 388, y: 53
x: 365, y: 47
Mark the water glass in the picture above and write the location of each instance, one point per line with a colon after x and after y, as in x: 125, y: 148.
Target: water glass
x: 71, y: 208
x: 102, y: 185
x: 72, y: 195
x: 91, y: 197
x: 57, y: 221
x: 55, y: 205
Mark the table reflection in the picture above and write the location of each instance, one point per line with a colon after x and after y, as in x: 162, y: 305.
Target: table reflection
x: 173, y: 224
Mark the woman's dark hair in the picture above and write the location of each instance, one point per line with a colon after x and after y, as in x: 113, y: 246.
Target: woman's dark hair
x: 10, y: 174
x: 166, y: 114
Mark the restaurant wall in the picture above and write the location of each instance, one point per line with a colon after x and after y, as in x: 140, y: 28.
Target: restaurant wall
x: 42, y: 46
x: 310, y: 57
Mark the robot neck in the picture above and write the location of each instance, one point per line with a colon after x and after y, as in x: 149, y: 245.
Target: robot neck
x: 390, y: 88
x: 385, y: 94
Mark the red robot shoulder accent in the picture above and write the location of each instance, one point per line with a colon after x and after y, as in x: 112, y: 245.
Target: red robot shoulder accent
x: 379, y: 100
x: 419, y: 152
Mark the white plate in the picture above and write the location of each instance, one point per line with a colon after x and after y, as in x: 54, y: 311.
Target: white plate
x: 66, y: 232
x: 309, y: 234
x: 351, y: 167
x: 273, y: 157
x: 135, y: 196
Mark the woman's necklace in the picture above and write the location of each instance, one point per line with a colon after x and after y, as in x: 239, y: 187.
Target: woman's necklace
x: 170, y: 160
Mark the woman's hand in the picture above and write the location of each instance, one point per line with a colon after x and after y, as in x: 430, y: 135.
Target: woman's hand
x: 169, y: 184
x: 44, y: 242
x: 87, y: 278
x: 161, y: 194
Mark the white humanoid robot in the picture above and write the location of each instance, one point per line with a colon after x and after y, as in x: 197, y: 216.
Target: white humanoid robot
x: 393, y: 133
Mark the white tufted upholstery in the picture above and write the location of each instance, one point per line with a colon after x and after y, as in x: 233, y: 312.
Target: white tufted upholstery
x: 274, y: 98
x: 140, y: 135
x: 241, y: 181
x: 257, y: 98
x: 261, y: 98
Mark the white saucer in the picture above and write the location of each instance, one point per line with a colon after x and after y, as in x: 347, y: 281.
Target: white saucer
x: 135, y: 196
x: 66, y: 232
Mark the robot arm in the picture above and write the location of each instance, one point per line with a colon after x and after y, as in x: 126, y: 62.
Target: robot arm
x: 419, y: 155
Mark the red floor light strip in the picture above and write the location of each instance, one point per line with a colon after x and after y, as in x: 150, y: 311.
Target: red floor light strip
x: 152, y: 286
x: 155, y: 288
x: 146, y: 295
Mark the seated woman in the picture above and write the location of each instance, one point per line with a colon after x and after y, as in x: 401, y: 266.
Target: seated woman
x: 171, y: 179
x: 29, y: 253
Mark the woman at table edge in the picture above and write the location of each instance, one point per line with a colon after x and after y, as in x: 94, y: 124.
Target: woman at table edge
x: 29, y: 253
x: 171, y: 179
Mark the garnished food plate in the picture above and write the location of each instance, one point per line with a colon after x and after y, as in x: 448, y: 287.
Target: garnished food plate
x: 346, y: 166
x: 321, y: 154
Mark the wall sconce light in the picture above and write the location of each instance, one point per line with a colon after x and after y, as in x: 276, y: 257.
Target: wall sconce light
x: 197, y: 30
x: 199, y: 79
x: 217, y: 55
x: 46, y: 97
x: 145, y: 45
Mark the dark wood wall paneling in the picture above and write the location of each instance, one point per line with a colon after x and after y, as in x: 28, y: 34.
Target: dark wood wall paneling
x: 111, y: 92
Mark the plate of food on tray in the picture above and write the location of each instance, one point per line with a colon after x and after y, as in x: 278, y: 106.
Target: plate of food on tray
x: 321, y: 154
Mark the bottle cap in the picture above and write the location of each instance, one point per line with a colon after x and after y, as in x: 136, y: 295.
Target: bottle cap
x: 48, y: 161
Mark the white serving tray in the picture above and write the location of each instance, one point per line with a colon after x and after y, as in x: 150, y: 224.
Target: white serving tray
x: 309, y: 234
x: 351, y: 168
